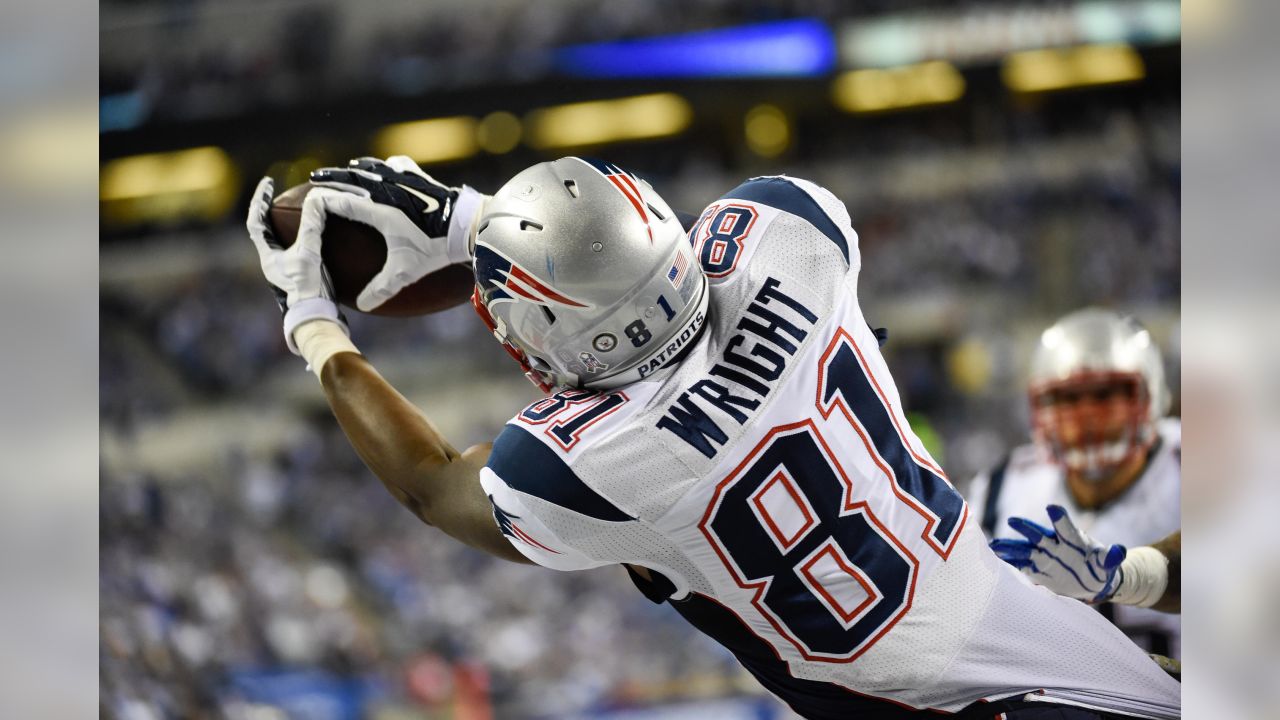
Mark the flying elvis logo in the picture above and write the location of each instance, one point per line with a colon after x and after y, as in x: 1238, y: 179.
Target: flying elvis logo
x: 510, y: 529
x: 505, y: 280
x: 627, y: 185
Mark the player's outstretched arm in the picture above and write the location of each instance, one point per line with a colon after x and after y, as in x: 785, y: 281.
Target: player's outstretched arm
x: 416, y: 464
x: 413, y: 460
x: 1068, y: 561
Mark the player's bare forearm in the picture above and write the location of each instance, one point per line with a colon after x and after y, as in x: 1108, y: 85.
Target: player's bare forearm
x: 1171, y: 547
x: 412, y: 459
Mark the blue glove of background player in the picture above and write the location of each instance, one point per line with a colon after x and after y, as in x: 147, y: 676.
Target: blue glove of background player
x: 1064, y: 559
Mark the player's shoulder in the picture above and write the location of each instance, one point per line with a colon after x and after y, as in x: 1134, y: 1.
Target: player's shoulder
x: 990, y: 490
x: 1030, y: 477
x: 1028, y: 459
x: 539, y: 450
x: 1164, y: 469
x: 524, y: 457
x: 750, y: 209
x: 806, y: 200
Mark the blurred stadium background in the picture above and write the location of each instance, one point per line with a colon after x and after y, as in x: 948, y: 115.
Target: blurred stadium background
x: 1004, y: 163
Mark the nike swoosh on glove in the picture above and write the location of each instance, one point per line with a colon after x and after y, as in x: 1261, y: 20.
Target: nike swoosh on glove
x: 424, y: 222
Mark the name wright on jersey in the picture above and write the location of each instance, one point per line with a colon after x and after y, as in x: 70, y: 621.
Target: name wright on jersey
x: 773, y: 348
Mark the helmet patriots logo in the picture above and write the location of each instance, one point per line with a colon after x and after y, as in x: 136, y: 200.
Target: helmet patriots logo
x: 502, y: 279
x: 626, y: 184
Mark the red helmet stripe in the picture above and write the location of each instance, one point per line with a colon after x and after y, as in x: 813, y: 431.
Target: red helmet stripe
x: 514, y: 286
x: 518, y: 273
x: 628, y: 188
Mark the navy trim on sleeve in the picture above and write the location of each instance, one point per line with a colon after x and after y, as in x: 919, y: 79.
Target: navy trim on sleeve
x: 531, y: 467
x: 994, y: 486
x: 786, y: 196
x: 657, y: 589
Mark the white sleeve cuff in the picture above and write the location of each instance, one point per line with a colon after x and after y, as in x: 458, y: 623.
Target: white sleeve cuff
x: 319, y: 340
x: 465, y: 210
x: 1146, y: 575
x: 316, y: 308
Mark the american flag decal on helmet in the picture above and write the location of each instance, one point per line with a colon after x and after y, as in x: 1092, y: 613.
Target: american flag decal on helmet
x: 678, y: 269
x: 627, y: 185
x: 502, y: 279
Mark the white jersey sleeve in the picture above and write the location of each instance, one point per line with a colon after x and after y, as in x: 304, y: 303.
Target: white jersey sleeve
x: 772, y: 478
x: 527, y: 532
x: 541, y: 505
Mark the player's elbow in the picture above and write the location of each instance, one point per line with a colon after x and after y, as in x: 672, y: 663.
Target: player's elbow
x: 432, y: 482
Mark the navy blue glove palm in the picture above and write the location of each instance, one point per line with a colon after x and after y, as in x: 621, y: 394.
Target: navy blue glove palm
x: 425, y: 223
x: 425, y: 201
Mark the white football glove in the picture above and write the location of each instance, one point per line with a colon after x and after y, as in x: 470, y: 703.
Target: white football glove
x: 297, y: 275
x: 1064, y: 559
x: 424, y: 222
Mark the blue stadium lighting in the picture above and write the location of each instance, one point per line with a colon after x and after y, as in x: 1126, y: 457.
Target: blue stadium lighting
x: 786, y: 48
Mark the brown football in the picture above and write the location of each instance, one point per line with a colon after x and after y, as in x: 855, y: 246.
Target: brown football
x: 354, y: 252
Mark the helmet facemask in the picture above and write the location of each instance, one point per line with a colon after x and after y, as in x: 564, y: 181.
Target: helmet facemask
x: 539, y: 376
x: 1093, y: 423
x: 1097, y: 388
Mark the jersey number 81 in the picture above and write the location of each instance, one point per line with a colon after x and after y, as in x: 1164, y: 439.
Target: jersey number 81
x: 826, y: 573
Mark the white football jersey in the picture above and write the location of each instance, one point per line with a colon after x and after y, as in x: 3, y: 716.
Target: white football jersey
x: 1146, y: 512
x: 770, y: 479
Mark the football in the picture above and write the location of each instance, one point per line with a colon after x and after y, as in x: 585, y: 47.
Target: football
x: 354, y: 252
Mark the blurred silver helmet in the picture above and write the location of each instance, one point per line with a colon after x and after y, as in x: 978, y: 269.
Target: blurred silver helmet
x: 1097, y: 388
x: 584, y: 274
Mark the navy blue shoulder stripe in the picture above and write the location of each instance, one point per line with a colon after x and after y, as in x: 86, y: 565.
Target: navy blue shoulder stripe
x: 531, y: 467
x: 784, y: 195
x: 990, y: 509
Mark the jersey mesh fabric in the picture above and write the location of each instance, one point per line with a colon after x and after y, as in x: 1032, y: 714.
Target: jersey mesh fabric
x: 1029, y: 636
x: 659, y: 467
x: 632, y: 542
x: 946, y: 647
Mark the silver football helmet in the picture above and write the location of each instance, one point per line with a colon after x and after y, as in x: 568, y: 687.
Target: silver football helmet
x: 585, y: 275
x: 1097, y: 388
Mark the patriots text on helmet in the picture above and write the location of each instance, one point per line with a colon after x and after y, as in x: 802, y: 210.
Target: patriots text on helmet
x: 673, y: 348
x: 777, y: 323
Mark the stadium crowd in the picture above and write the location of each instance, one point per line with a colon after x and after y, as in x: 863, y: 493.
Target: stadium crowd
x: 300, y: 561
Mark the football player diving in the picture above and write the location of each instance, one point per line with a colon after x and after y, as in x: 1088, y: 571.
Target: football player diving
x: 719, y: 421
